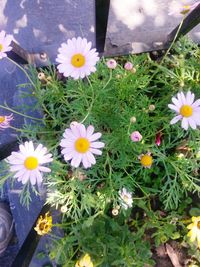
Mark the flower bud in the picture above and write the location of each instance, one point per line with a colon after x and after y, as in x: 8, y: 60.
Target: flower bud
x: 111, y: 64
x: 151, y: 107
x: 133, y: 119
x: 63, y: 209
x: 136, y: 136
x: 128, y: 66
x: 133, y: 70
x: 115, y: 212
x: 41, y: 76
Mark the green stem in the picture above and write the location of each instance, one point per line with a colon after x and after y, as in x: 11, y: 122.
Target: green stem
x: 170, y: 47
x: 28, y: 131
x: 92, y: 102
x: 21, y: 114
x: 93, y: 95
x: 4, y: 178
x: 136, y: 183
x: 24, y: 71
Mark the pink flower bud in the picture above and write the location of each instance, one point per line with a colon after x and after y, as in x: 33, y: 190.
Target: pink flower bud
x: 128, y: 66
x: 136, y: 136
x: 158, y: 138
x: 111, y: 64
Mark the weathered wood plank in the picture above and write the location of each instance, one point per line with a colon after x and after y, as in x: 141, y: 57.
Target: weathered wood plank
x: 138, y: 26
x: 191, y: 21
x: 41, y: 26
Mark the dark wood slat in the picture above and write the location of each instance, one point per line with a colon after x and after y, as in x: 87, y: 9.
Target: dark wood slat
x: 19, y: 54
x: 102, y: 11
x: 29, y: 246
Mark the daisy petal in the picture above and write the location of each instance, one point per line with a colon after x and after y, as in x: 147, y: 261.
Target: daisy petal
x: 82, y: 148
x: 175, y: 119
x: 94, y: 137
x: 28, y: 162
x: 185, y: 124
x: 173, y: 107
x: 95, y: 151
x: 97, y: 145
x: 90, y: 131
x: 196, y: 103
x: 76, y: 58
x: 91, y: 158
x: 192, y: 123
x: 76, y: 161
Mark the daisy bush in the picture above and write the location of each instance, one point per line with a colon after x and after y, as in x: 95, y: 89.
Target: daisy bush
x: 118, y: 150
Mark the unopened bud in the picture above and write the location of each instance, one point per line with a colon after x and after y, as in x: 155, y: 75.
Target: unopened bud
x: 63, y: 209
x: 133, y: 70
x: 118, y: 76
x: 115, y: 212
x: 41, y: 76
x: 151, y: 107
x: 111, y: 63
x: 128, y: 66
x: 133, y: 119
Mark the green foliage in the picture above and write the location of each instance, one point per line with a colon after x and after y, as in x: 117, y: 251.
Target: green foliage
x: 108, y: 99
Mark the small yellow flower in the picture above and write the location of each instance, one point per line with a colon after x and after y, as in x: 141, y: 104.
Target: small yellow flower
x: 44, y: 225
x: 85, y: 261
x: 194, y: 228
x: 146, y: 160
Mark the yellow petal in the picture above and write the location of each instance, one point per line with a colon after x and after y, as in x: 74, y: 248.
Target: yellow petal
x: 194, y: 218
x: 190, y: 226
x: 198, y: 239
x: 91, y: 264
x: 189, y: 233
x: 85, y: 261
x: 193, y: 235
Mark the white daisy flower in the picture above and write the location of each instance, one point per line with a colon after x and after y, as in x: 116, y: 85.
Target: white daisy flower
x: 186, y: 109
x: 28, y: 163
x: 79, y: 144
x: 5, y: 41
x: 5, y: 121
x: 125, y: 198
x: 76, y: 58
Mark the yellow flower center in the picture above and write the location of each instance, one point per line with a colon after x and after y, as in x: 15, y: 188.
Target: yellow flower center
x: 78, y: 60
x: 125, y: 198
x: 31, y: 163
x: 82, y: 145
x: 2, y: 118
x: 1, y: 47
x: 185, y: 10
x: 186, y: 111
x: 146, y: 160
x: 198, y: 225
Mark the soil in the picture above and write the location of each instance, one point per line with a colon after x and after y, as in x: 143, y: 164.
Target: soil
x: 170, y: 255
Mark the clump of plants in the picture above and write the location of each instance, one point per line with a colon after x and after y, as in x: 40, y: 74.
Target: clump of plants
x: 118, y: 149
